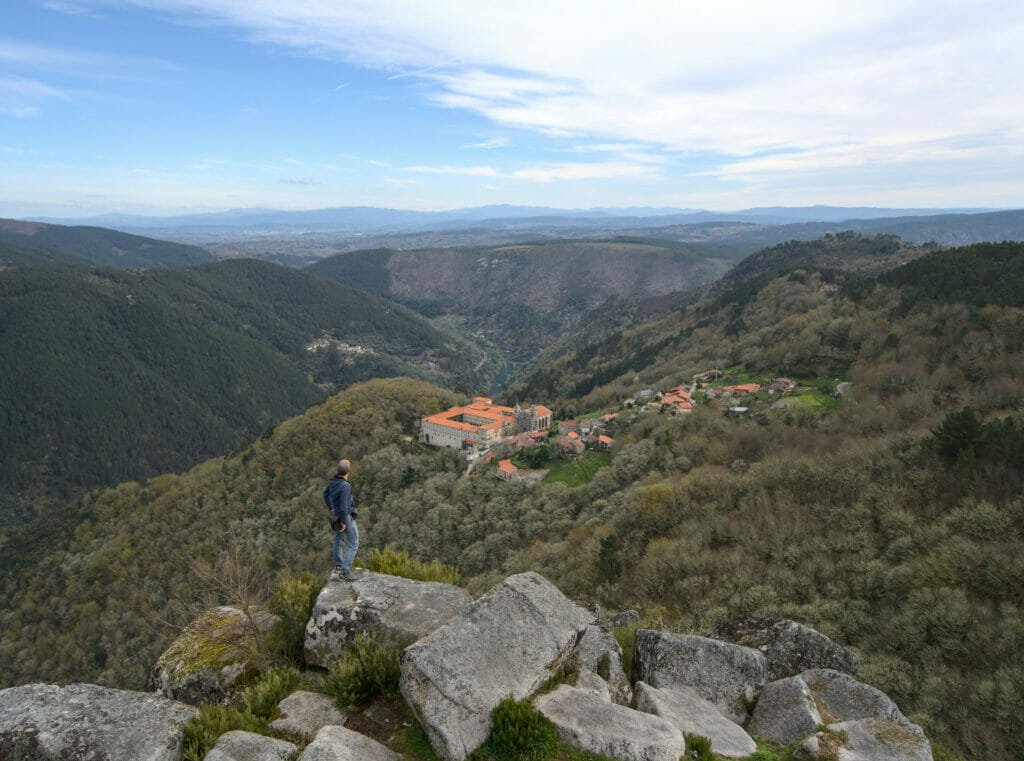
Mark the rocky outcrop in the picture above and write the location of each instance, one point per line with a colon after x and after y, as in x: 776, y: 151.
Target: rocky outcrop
x: 625, y: 618
x: 866, y: 740
x: 303, y: 714
x: 248, y: 746
x: 585, y: 721
x: 691, y: 714
x: 785, y: 712
x: 728, y: 675
x: 788, y: 647
x: 509, y: 641
x: 221, y: 647
x: 84, y: 722
x: 598, y: 653
x: 840, y: 697
x: 862, y: 722
x: 390, y: 608
x: 340, y: 744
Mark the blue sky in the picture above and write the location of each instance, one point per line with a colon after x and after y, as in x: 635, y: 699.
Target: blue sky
x: 167, y: 106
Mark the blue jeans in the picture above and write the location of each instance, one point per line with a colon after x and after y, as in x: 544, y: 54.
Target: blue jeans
x: 350, y: 538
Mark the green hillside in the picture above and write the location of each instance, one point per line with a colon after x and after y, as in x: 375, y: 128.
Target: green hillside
x: 15, y: 255
x: 522, y: 297
x: 101, y: 246
x: 889, y: 518
x: 113, y: 375
x: 846, y: 251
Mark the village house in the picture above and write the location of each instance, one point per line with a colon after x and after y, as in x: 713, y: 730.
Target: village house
x: 571, y: 443
x: 742, y: 389
x: 509, y: 472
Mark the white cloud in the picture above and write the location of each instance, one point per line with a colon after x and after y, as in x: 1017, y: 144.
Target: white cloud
x: 582, y: 171
x: 756, y: 90
x: 22, y: 86
x: 473, y: 171
x: 494, y: 142
x: 544, y: 173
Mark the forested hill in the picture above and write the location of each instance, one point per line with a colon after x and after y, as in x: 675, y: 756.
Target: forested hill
x: 888, y: 518
x: 845, y: 252
x: 522, y: 297
x: 14, y: 255
x: 114, y: 374
x: 100, y: 245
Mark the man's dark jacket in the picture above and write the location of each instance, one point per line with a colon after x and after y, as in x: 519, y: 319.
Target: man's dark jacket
x: 338, y: 496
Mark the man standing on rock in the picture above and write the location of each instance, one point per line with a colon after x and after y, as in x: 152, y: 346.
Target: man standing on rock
x: 338, y: 496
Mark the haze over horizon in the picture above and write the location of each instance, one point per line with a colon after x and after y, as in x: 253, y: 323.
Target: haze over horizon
x: 182, y: 106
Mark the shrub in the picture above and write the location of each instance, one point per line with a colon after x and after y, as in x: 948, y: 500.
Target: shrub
x: 363, y: 671
x: 256, y: 705
x: 261, y: 698
x: 202, y: 731
x: 699, y: 747
x: 400, y: 564
x: 293, y: 600
x: 626, y: 637
x: 519, y: 732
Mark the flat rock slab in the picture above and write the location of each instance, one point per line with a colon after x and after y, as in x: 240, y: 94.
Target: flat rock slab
x: 248, y: 746
x: 84, y: 722
x: 788, y: 647
x: 691, y: 714
x: 839, y: 697
x: 587, y: 722
x: 303, y: 714
x: 508, y: 642
x: 341, y: 744
x: 205, y: 662
x: 728, y: 675
x: 392, y: 608
x: 867, y: 740
x: 786, y: 712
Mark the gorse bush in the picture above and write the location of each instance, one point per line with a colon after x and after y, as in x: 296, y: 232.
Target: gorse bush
x: 699, y: 747
x: 202, y: 731
x: 293, y: 600
x: 261, y: 698
x: 400, y: 564
x: 363, y: 671
x: 255, y: 706
x: 519, y: 732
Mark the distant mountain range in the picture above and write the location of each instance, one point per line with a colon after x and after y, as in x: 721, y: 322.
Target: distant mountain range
x: 368, y: 219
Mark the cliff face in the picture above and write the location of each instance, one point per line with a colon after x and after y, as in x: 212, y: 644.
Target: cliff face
x: 515, y: 640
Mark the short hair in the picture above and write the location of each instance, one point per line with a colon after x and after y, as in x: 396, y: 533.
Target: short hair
x: 344, y: 466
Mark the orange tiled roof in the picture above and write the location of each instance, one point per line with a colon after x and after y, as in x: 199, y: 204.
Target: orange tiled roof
x: 506, y: 466
x: 606, y: 439
x: 499, y: 416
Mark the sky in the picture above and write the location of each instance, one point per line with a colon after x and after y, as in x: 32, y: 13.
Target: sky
x: 175, y: 106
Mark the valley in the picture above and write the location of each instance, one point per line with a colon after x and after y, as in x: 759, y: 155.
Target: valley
x: 829, y: 432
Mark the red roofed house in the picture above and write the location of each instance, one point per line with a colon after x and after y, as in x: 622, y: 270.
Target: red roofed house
x: 506, y: 469
x: 743, y: 389
x: 605, y: 442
